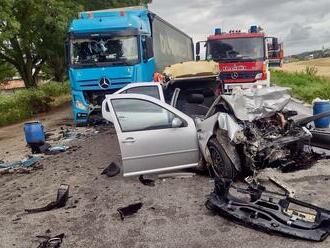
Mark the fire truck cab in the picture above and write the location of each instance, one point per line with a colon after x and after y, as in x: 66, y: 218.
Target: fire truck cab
x: 242, y: 57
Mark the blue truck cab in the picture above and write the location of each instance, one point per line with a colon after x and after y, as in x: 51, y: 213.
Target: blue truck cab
x: 108, y: 49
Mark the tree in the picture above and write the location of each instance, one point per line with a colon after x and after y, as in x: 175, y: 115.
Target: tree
x: 6, y: 71
x: 105, y: 4
x: 53, y: 45
x: 30, y: 31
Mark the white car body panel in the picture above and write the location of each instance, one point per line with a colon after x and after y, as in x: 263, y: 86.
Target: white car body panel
x: 205, y: 132
x: 154, y: 151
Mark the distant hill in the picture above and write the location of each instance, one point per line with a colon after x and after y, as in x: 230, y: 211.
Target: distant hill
x: 311, y: 55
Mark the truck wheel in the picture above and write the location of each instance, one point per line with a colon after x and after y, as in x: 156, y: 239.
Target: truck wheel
x: 221, y: 165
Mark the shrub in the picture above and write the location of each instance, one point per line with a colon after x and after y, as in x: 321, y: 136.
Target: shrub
x: 311, y: 71
x: 25, y: 103
x: 54, y: 89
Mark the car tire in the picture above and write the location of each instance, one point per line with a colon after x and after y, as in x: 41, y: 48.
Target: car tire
x: 221, y: 166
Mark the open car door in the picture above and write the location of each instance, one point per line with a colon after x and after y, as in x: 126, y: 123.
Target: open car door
x: 153, y: 136
x: 150, y: 89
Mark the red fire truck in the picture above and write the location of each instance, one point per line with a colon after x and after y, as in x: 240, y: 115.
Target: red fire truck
x: 242, y: 57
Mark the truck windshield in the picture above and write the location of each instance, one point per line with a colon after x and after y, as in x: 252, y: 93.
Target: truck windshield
x: 236, y: 49
x: 105, y: 50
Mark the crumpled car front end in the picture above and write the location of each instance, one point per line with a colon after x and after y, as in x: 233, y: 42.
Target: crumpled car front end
x: 256, y: 131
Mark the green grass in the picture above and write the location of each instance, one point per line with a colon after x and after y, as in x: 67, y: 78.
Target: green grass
x: 304, y: 86
x: 25, y: 103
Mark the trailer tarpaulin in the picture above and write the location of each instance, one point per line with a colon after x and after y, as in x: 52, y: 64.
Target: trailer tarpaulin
x: 192, y: 69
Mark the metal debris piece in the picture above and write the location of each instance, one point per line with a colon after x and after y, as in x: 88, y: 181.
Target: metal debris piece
x: 289, y: 190
x: 112, y: 170
x: 308, y: 119
x: 270, y: 212
x: 61, y: 199
x: 25, y: 163
x: 321, y: 138
x: 129, y: 210
x: 146, y: 181
x: 51, y: 242
x: 56, y: 149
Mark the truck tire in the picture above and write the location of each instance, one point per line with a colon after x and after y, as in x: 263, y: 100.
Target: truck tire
x: 221, y: 166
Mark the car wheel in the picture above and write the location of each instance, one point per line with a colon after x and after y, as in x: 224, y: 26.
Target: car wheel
x: 221, y: 165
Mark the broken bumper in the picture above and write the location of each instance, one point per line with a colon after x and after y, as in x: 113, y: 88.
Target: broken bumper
x: 270, y: 215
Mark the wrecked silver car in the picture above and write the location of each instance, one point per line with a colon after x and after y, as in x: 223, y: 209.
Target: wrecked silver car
x: 240, y: 133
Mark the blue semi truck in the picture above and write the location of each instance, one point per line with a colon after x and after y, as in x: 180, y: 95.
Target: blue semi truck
x: 108, y: 49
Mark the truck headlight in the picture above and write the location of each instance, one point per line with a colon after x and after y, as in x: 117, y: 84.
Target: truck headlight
x: 258, y: 76
x: 80, y: 105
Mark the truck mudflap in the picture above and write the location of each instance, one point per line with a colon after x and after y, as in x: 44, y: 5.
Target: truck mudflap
x: 275, y: 213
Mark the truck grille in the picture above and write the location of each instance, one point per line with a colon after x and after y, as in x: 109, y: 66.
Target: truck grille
x: 95, y: 82
x: 241, y: 75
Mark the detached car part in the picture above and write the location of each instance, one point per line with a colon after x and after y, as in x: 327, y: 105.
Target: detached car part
x: 270, y: 211
x: 147, y: 181
x: 129, y: 210
x: 308, y: 119
x: 321, y: 138
x: 61, y: 199
x: 51, y: 242
x: 284, y: 186
x: 112, y: 170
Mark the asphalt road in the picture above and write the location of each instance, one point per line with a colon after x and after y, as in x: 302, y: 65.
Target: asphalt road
x: 173, y: 212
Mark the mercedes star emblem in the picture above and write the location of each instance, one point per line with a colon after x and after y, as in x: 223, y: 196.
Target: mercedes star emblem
x: 104, y: 83
x: 234, y: 75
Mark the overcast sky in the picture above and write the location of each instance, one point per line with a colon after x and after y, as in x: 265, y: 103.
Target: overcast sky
x: 303, y: 25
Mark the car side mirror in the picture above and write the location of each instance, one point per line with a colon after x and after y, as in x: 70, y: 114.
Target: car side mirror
x: 198, y: 50
x: 176, y: 122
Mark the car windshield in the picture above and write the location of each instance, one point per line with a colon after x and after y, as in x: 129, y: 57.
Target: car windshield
x: 236, y: 49
x: 103, y: 49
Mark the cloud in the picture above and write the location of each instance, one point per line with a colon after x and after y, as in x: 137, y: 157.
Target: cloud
x: 301, y: 24
x: 298, y: 33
